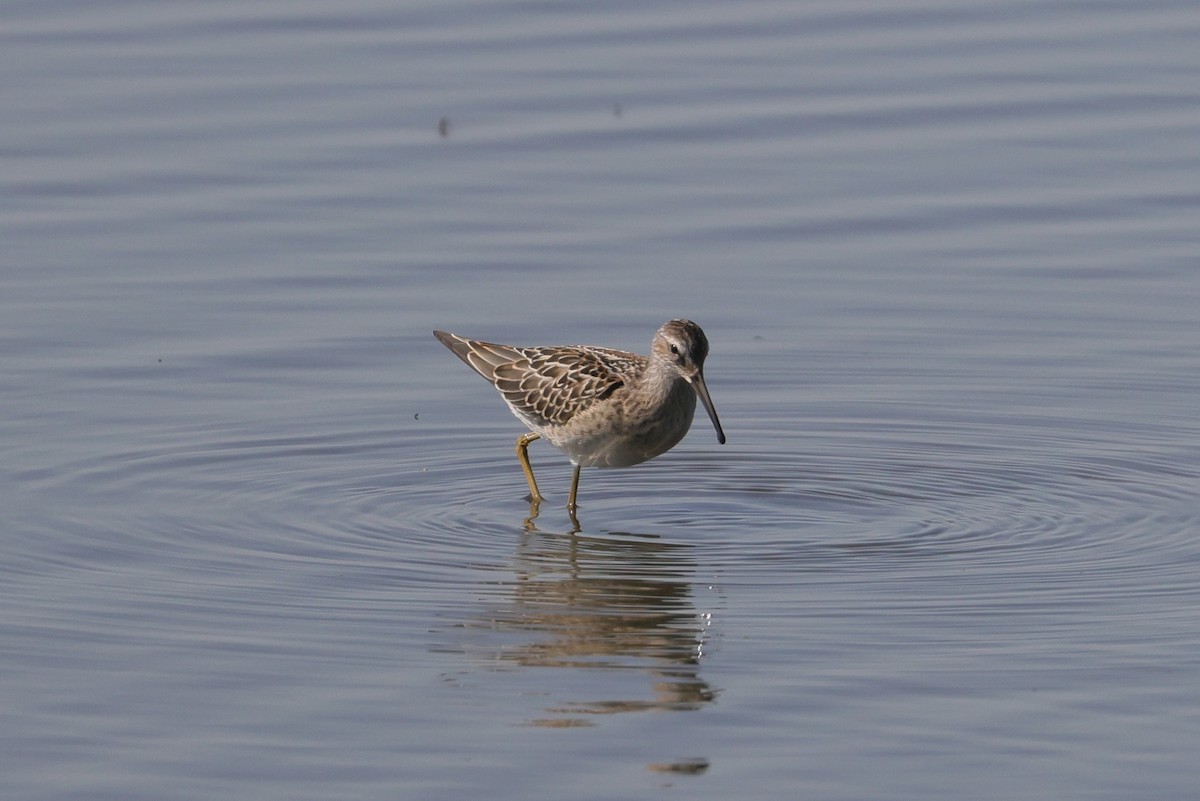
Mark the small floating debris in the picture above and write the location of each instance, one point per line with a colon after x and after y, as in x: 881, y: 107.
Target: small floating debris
x: 691, y: 767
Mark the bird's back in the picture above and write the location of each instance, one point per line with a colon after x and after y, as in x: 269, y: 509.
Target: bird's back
x: 546, y: 387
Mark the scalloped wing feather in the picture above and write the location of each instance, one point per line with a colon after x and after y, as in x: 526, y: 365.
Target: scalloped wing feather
x: 549, y: 386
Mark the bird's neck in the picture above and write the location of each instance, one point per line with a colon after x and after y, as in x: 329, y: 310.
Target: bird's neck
x: 659, y: 382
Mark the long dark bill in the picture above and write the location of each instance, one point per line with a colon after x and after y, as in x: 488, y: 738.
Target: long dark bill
x: 702, y: 391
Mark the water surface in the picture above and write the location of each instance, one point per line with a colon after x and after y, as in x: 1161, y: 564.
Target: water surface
x: 265, y: 537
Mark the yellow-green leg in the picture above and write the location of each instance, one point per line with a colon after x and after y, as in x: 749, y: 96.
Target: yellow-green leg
x: 574, y: 490
x: 523, y: 455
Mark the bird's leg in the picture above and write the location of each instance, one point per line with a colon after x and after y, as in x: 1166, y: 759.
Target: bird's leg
x: 530, y: 522
x: 523, y: 454
x: 574, y: 489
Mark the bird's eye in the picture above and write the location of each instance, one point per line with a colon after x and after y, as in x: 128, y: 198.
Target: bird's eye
x: 675, y: 349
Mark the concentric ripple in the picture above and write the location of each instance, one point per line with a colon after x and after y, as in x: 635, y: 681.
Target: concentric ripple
x: 1015, y: 496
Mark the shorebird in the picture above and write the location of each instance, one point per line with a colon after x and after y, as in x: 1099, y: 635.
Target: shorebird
x: 602, y: 407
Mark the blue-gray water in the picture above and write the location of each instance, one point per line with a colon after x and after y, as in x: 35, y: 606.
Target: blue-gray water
x: 264, y: 537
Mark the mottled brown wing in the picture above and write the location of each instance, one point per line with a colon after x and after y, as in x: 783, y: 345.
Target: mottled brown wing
x: 549, y: 386
x: 482, y: 357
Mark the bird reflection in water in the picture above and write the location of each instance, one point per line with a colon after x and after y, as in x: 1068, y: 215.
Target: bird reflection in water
x: 594, y: 604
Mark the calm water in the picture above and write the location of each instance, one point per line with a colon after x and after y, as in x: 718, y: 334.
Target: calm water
x: 265, y: 539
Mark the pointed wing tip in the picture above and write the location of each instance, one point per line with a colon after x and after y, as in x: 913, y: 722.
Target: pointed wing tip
x: 451, y: 341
